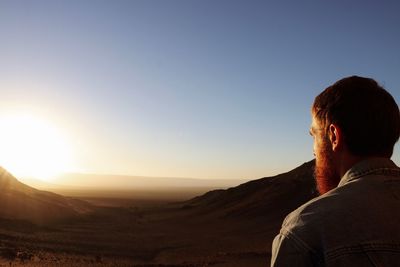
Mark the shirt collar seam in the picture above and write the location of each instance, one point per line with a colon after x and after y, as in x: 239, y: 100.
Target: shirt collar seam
x: 358, y: 174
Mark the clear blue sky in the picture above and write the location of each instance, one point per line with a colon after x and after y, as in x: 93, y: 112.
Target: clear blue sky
x: 210, y: 89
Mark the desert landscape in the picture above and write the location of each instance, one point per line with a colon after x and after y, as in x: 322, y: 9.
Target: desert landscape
x: 174, y: 133
x: 223, y: 227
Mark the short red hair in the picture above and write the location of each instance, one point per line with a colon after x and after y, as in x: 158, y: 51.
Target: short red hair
x: 367, y: 114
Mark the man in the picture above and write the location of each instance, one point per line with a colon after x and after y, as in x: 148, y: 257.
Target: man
x: 356, y: 219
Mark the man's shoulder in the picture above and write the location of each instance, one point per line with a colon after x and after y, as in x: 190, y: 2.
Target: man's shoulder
x: 351, y: 196
x: 315, y: 212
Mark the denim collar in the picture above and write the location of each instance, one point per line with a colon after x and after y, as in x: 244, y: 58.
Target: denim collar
x: 377, y: 166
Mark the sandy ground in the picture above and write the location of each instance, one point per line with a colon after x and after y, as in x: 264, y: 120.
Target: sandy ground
x: 149, y: 235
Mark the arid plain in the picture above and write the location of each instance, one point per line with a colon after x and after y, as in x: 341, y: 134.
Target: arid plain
x: 222, y: 227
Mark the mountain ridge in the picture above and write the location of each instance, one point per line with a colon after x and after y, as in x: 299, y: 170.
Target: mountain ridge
x: 261, y: 197
x: 22, y: 202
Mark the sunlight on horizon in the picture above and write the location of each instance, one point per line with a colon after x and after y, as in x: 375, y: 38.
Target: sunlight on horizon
x: 33, y: 147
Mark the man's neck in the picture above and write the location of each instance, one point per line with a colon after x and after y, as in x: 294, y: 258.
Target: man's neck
x: 347, y: 161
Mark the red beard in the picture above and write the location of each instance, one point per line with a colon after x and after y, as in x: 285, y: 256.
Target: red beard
x: 326, y: 176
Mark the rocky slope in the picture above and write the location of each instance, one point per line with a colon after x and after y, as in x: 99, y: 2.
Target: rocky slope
x: 266, y: 197
x: 22, y: 202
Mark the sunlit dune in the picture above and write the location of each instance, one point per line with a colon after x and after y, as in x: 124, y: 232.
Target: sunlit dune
x: 33, y: 147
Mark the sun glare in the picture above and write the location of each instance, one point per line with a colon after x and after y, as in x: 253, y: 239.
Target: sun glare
x: 32, y: 148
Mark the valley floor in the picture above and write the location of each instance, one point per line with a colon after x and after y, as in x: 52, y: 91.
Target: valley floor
x: 145, y: 235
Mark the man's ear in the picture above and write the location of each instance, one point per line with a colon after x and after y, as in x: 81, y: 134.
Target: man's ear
x: 336, y: 137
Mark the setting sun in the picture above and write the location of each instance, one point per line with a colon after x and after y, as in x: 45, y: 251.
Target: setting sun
x: 32, y: 147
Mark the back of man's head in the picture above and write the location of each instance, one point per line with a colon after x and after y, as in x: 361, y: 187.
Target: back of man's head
x: 367, y: 114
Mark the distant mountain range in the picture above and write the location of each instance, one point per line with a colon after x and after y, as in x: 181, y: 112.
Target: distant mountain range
x: 127, y: 182
x: 22, y: 202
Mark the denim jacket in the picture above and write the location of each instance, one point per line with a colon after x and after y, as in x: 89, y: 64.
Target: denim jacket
x: 355, y: 224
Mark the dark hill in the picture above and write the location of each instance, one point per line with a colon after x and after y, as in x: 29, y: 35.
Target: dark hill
x: 266, y: 197
x: 22, y: 202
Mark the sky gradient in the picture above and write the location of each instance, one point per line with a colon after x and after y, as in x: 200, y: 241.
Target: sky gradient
x: 202, y: 89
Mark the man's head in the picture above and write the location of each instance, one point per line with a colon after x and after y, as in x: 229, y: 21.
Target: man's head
x: 356, y: 117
